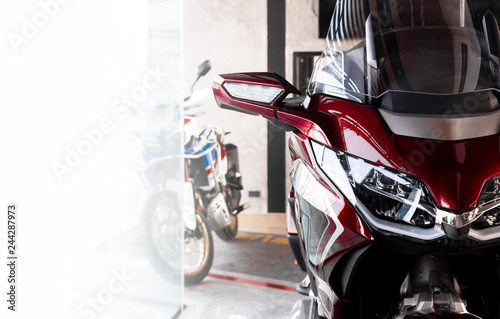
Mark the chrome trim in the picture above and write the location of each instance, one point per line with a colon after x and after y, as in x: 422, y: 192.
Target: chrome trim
x: 397, y: 229
x: 443, y: 127
x: 486, y: 234
x: 428, y: 303
x: 457, y: 219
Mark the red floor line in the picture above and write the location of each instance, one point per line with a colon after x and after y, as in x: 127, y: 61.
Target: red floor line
x: 253, y: 282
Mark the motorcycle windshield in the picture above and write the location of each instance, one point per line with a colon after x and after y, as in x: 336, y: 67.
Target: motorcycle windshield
x: 429, y: 47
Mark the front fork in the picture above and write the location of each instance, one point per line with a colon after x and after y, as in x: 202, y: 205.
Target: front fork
x: 431, y: 288
x: 188, y: 205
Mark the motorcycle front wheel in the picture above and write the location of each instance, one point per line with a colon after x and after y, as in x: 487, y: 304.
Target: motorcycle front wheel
x: 198, y: 252
x: 162, y: 233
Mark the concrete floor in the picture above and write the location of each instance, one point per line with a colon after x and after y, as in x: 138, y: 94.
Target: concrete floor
x: 252, y: 277
x: 253, y: 259
x: 215, y: 298
x: 263, y: 255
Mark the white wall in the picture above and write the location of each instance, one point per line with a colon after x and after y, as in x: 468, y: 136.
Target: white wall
x: 232, y: 34
x: 301, y: 30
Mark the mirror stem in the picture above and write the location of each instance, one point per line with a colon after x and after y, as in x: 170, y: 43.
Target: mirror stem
x: 192, y: 86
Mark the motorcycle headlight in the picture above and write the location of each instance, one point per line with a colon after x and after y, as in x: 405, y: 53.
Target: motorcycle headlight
x: 386, y: 194
x: 489, y: 203
x: 391, y: 201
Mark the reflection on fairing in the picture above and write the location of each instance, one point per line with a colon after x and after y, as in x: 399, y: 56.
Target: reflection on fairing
x: 314, y: 200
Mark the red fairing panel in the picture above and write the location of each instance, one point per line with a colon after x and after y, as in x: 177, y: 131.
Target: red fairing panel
x: 454, y: 172
x: 314, y: 125
x: 344, y: 230
x: 300, y: 148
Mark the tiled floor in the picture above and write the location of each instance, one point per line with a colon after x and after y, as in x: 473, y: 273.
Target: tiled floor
x: 221, y: 299
x: 248, y: 263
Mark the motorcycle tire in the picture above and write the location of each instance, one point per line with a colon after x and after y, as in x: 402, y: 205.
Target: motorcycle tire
x: 161, y: 232
x: 202, y: 267
x: 229, y: 232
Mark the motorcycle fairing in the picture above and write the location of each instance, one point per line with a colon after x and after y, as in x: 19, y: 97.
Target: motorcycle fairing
x: 454, y: 171
x: 329, y: 228
x: 376, y: 49
x: 361, y: 131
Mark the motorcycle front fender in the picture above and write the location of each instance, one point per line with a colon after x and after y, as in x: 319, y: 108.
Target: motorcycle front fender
x: 188, y: 207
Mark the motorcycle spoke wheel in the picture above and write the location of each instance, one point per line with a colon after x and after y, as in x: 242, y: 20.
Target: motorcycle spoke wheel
x: 198, y: 252
x: 166, y: 226
x: 161, y: 230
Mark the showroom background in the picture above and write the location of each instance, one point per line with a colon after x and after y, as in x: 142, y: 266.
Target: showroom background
x: 233, y: 35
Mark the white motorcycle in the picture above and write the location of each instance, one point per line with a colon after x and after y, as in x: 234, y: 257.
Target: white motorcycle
x: 211, y: 185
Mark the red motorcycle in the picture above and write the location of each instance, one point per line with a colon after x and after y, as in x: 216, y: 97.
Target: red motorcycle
x: 395, y: 160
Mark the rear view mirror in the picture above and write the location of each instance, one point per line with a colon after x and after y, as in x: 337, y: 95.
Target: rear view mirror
x: 492, y: 34
x: 254, y: 93
x: 264, y: 94
x: 204, y: 68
